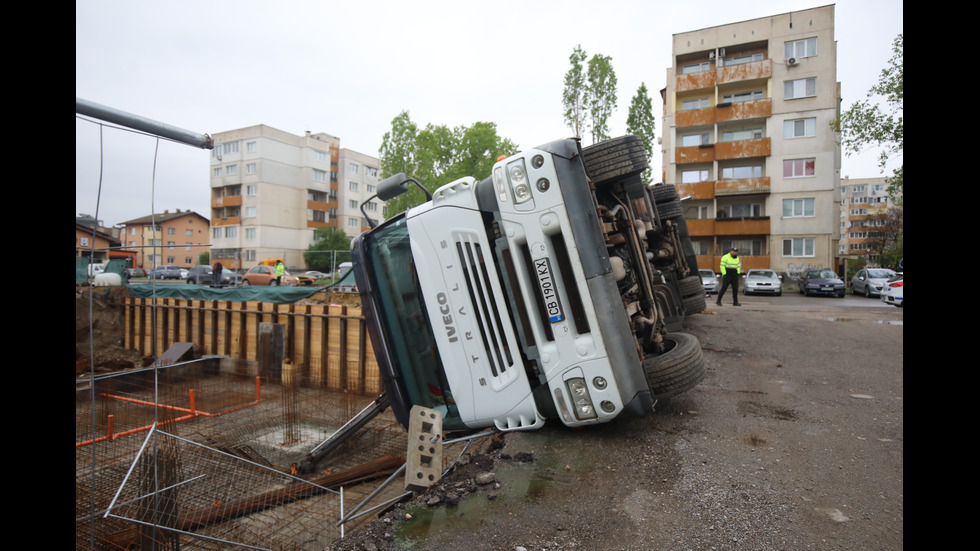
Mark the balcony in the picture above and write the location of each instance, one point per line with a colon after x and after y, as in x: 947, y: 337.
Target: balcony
x: 694, y: 81
x: 743, y: 149
x: 695, y: 117
x: 744, y: 110
x: 694, y: 154
x: 699, y: 190
x: 756, y: 225
x: 319, y: 205
x: 712, y: 262
x: 226, y: 201
x: 746, y: 186
x: 227, y: 221
x: 746, y: 71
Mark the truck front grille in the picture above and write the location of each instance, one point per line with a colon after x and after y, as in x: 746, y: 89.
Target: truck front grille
x: 489, y: 317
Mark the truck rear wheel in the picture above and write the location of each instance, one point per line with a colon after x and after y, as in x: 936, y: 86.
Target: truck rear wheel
x: 677, y: 370
x: 615, y: 159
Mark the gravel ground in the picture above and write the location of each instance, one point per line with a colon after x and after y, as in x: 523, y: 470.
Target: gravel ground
x: 794, y: 440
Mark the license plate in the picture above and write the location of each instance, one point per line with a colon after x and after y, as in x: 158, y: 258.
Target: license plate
x: 542, y: 268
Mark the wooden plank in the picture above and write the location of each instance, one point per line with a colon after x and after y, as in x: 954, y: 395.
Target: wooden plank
x: 317, y: 340
x: 334, y: 346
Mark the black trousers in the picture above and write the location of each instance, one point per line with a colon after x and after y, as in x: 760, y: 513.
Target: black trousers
x: 730, y: 278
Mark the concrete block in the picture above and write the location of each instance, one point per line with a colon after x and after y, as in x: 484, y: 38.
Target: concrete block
x: 424, y: 458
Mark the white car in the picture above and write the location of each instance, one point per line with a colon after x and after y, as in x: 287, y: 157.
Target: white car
x: 763, y: 282
x: 709, y: 280
x: 894, y: 291
x: 870, y: 281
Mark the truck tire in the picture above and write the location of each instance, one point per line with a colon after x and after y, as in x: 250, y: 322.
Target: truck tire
x: 677, y: 370
x: 615, y: 159
x: 692, y: 295
x: 695, y: 304
x: 663, y: 193
x: 670, y: 210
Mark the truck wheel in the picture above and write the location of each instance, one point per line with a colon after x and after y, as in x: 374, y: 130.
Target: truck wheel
x: 670, y: 210
x: 663, y: 193
x: 612, y: 160
x: 692, y: 294
x: 695, y: 305
x: 678, y: 369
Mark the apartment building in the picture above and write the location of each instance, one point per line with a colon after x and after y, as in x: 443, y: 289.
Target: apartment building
x: 359, y: 182
x: 748, y: 110
x: 863, y: 221
x: 270, y: 190
x: 177, y: 237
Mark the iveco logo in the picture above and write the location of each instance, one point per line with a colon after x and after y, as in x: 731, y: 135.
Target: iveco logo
x: 447, y: 318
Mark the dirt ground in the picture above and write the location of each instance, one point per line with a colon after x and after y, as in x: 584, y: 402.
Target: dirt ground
x: 794, y: 440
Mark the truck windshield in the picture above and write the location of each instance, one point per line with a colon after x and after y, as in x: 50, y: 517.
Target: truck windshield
x: 418, y: 367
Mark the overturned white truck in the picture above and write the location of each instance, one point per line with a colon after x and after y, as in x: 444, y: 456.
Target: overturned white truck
x: 556, y: 288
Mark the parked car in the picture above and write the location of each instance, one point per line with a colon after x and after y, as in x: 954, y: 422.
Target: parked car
x: 869, y: 281
x: 894, y: 291
x: 709, y: 280
x: 169, y: 271
x: 229, y: 278
x: 199, y: 275
x: 266, y: 275
x: 821, y: 282
x: 135, y: 272
x: 763, y: 281
x: 183, y: 273
x: 317, y: 276
x: 305, y: 279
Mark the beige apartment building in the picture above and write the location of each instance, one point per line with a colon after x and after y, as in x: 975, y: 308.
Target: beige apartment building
x: 168, y: 238
x: 748, y: 137
x: 864, y: 202
x: 270, y: 190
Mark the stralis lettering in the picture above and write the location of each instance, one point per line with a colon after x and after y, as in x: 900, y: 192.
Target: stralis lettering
x: 447, y: 318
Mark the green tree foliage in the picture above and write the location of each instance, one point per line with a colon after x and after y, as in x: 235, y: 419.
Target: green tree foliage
x: 437, y: 155
x: 642, y: 123
x: 574, y: 95
x: 319, y: 256
x: 877, y: 121
x: 601, y: 96
x: 589, y: 96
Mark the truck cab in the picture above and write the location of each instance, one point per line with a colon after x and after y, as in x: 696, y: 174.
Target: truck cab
x: 529, y: 295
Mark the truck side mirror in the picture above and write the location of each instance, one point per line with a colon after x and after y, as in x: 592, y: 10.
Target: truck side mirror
x: 392, y: 187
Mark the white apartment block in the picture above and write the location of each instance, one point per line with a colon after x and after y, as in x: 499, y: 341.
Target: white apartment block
x: 863, y: 201
x: 748, y: 111
x: 271, y: 189
x: 358, y: 179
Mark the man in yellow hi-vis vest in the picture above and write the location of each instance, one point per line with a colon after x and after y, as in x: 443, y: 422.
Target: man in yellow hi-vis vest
x: 731, y: 267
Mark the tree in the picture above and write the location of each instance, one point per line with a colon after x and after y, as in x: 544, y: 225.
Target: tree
x: 437, y: 155
x: 885, y: 234
x: 574, y: 95
x: 877, y: 121
x: 601, y: 96
x: 320, y: 255
x: 642, y: 123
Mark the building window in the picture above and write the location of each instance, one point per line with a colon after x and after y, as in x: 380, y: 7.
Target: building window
x: 698, y: 103
x: 806, y: 47
x: 231, y: 169
x: 189, y: 233
x: 319, y: 155
x: 746, y: 247
x: 798, y: 246
x: 371, y: 188
x: 250, y: 168
x: 801, y: 88
x: 231, y: 147
x: 332, y: 213
x: 354, y: 222
x: 371, y: 171
x: 216, y: 233
x: 217, y: 172
x: 250, y: 255
x: 250, y: 212
x: 695, y: 139
x: 352, y: 186
x: 170, y: 244
x: 250, y: 147
x: 231, y: 231
x: 701, y: 247
x: 251, y: 189
x: 352, y: 168
x: 800, y: 128
x: 696, y: 68
x: 740, y: 210
x: 797, y: 208
x: 319, y: 175
x: 742, y: 97
x: 372, y: 206
x: 694, y: 176
x: 249, y: 233
x: 742, y: 59
x: 799, y: 168
x: 741, y: 172
x: 738, y: 135
x: 171, y: 231
x: 352, y: 203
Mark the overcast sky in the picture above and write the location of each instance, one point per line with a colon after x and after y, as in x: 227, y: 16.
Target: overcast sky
x: 348, y: 68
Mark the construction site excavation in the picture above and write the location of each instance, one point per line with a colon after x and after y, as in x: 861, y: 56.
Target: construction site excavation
x: 187, y: 440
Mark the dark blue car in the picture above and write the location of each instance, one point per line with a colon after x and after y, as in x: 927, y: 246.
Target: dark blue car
x: 821, y: 282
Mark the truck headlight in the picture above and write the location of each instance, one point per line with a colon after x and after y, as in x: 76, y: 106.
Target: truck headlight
x: 581, y: 400
x: 519, y: 184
